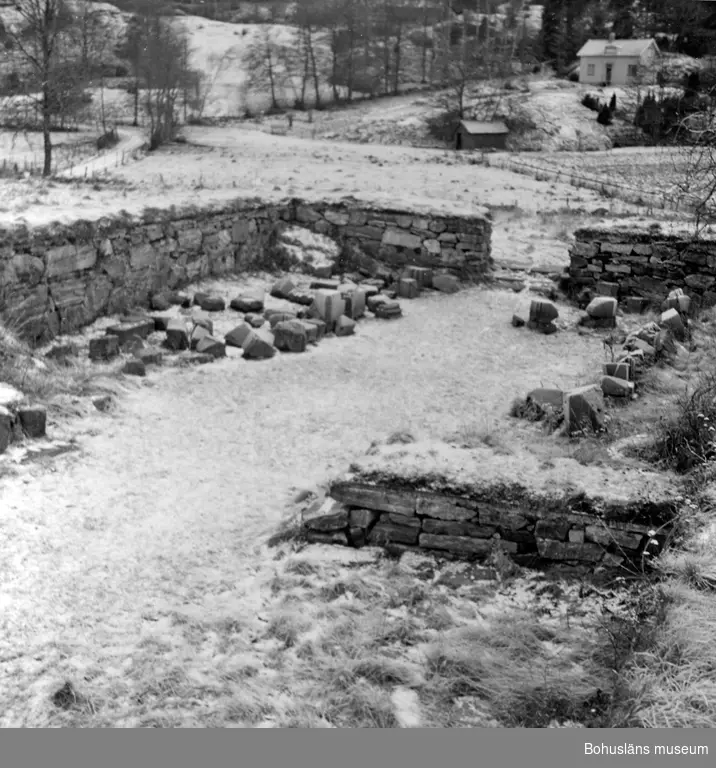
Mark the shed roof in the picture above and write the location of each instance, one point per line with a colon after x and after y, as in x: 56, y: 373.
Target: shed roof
x: 623, y: 47
x: 476, y: 127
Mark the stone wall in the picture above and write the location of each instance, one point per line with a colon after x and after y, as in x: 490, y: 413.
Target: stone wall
x: 58, y: 278
x: 476, y: 503
x: 644, y: 261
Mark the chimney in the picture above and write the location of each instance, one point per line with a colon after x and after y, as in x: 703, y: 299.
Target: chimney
x: 611, y: 37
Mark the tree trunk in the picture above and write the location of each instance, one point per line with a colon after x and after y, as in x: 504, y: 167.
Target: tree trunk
x: 46, y: 124
x: 135, y: 122
x: 334, y: 64
x: 396, y: 72
x: 314, y: 70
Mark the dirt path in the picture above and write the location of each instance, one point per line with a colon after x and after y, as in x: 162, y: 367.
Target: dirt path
x: 160, y: 509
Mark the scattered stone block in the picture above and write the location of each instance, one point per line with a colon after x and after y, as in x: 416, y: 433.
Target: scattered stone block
x: 672, y: 319
x: 446, y: 283
x: 616, y: 387
x: 161, y: 322
x: 150, y: 356
x: 257, y: 348
x: 104, y: 347
x: 281, y: 288
x: 311, y: 331
x: 102, y: 402
x: 408, y: 288
x: 635, y: 304
x: 125, y: 331
x: 177, y: 335
x: 297, y: 296
x: 6, y: 424
x: 544, y: 396
x: 319, y: 325
x: 33, y: 419
x: 584, y: 410
x: 389, y: 293
x: 290, y: 336
x: 324, y: 284
x: 665, y: 344
x: 62, y: 353
x: 605, y: 288
x: 160, y: 302
x: 208, y: 345
x: 179, y: 299
x: 369, y: 290
x: 199, y: 297
x: 639, y: 345
x: 237, y: 336
x: 517, y: 321
x: 325, y: 515
x: 355, y: 303
x: 388, y: 310
x: 134, y: 368
x: 255, y: 321
x: 203, y: 321
x: 373, y: 301
x: 618, y: 370
x: 247, y: 304
x: 543, y: 311
x: 602, y: 307
x: 328, y: 306
x: 280, y: 317
x: 646, y: 333
x: 197, y: 334
x: 345, y: 326
x: 423, y: 276
x: 678, y: 300
x: 132, y: 345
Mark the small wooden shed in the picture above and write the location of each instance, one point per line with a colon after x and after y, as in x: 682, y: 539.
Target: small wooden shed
x: 471, y: 134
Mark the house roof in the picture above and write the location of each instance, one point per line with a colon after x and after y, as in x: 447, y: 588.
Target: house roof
x: 475, y: 127
x: 623, y: 47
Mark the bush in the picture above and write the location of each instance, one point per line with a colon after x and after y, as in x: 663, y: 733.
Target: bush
x: 613, y: 103
x: 444, y: 125
x: 688, y: 439
x: 591, y: 102
x: 605, y: 116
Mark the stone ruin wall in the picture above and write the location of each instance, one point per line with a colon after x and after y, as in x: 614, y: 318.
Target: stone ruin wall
x: 529, y: 532
x: 57, y: 279
x: 643, y: 263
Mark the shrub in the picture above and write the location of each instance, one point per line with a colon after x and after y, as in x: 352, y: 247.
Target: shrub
x: 613, y: 103
x: 605, y: 116
x: 590, y: 101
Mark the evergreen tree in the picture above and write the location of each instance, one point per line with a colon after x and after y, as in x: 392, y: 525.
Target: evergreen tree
x: 553, y: 32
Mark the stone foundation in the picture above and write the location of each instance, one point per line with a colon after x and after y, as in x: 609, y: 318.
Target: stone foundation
x: 644, y: 261
x: 59, y: 278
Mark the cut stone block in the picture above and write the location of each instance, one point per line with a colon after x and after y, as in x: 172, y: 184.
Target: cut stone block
x: 602, y: 307
x: 199, y: 297
x: 297, y: 296
x: 600, y: 534
x: 257, y: 348
x: 320, y: 327
x: 237, y: 336
x: 423, y: 276
x: 408, y: 288
x: 179, y: 299
x: 372, y: 302
x: 329, y: 306
x: 355, y: 303
x: 362, y: 518
x: 289, y: 313
x: 584, y: 409
x: 646, y: 333
x: 552, y: 529
x: 247, y: 304
x: 635, y: 304
x: 125, y: 331
x: 290, y: 336
x: 281, y: 288
x: 638, y: 345
x: 461, y: 545
x: 672, y: 319
x: 446, y: 283
x: 134, y: 368
x: 150, y: 356
x: 357, y: 537
x: 454, y: 528
x: 104, y: 347
x: 616, y: 387
x: 208, y: 345
x: 325, y: 515
x: 33, y: 419
x: 177, y: 335
x: 280, y: 317
x: 618, y: 370
x: 311, y: 330
x: 679, y: 301
x: 576, y: 536
x: 568, y: 551
x: 373, y: 497
x: 605, y: 288
x: 345, y: 326
x: 203, y: 320
x: 544, y: 396
x: 388, y: 310
x: 517, y: 321
x: 385, y: 532
x: 543, y: 311
x: 255, y: 321
x: 197, y: 334
x: 325, y: 284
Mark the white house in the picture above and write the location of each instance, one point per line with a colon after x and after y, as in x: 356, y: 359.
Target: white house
x: 618, y: 62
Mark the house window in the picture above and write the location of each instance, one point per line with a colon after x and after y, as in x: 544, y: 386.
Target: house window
x: 590, y: 70
x: 632, y: 70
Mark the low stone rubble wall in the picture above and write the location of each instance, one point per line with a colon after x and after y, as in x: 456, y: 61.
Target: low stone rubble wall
x: 534, y: 524
x: 57, y: 279
x: 641, y: 261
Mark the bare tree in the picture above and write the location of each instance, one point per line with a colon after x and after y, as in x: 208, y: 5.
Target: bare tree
x: 263, y: 64
x: 40, y: 39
